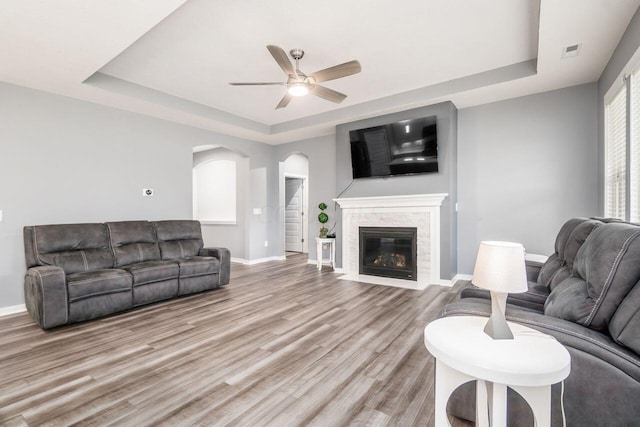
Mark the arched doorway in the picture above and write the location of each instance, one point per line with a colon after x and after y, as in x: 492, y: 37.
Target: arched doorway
x: 295, y: 196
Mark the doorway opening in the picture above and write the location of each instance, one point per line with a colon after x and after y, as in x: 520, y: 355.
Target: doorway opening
x: 294, y: 199
x: 294, y: 215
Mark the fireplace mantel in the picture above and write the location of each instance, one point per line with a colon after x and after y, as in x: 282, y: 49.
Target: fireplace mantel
x: 412, y: 200
x: 417, y: 210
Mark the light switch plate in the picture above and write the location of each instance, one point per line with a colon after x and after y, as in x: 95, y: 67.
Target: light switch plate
x: 0, y: 215
x: 257, y: 211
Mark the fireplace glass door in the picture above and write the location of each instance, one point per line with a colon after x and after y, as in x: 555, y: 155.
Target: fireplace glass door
x: 388, y: 252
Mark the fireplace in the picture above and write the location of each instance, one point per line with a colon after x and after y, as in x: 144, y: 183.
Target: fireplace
x: 421, y: 211
x: 389, y: 252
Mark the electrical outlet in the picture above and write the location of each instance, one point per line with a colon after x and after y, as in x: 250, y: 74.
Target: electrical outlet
x: 147, y: 192
x: 266, y: 243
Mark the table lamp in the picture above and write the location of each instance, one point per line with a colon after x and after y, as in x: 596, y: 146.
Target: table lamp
x: 500, y: 268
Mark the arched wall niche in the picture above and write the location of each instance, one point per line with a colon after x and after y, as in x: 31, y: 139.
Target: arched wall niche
x: 231, y: 234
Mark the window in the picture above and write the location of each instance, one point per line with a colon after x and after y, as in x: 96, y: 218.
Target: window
x: 622, y: 151
x: 616, y: 155
x: 214, y: 192
x: 634, y: 151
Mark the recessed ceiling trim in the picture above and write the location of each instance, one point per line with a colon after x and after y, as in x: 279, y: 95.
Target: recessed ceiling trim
x: 409, y: 98
x: 123, y: 87
x: 412, y: 97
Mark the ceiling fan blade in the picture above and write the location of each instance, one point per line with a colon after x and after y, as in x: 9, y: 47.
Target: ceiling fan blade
x: 282, y: 59
x: 338, y: 71
x: 284, y: 101
x: 257, y: 84
x: 328, y: 94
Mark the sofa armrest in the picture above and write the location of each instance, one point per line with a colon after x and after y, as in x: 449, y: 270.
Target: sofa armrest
x: 45, y: 295
x: 533, y: 264
x: 224, y: 256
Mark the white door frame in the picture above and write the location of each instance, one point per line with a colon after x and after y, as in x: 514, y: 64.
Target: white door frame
x: 305, y: 210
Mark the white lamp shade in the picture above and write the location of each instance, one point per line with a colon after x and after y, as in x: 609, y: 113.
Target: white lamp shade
x: 500, y: 267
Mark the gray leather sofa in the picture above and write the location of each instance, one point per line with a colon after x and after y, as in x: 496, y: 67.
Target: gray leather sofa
x: 77, y: 272
x: 592, y: 306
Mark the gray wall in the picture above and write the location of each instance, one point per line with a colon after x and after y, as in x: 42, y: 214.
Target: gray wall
x: 525, y: 166
x: 65, y: 161
x: 445, y: 181
x: 624, y: 51
x: 322, y: 182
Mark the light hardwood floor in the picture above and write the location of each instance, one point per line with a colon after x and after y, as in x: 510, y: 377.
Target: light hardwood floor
x: 281, y: 345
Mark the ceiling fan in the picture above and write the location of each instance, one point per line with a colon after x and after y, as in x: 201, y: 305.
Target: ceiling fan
x: 300, y: 84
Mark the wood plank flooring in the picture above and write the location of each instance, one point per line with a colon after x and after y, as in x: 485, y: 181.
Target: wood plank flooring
x: 281, y: 345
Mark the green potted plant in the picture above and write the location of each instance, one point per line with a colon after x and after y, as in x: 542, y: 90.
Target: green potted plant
x: 323, y: 218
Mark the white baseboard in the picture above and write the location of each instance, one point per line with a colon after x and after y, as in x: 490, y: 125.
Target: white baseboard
x: 258, y: 260
x: 453, y: 281
x: 315, y: 262
x: 12, y: 309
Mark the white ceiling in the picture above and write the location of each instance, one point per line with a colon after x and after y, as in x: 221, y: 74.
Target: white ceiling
x: 173, y: 59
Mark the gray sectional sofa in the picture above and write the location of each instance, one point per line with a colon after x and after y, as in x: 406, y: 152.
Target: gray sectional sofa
x: 587, y: 296
x: 77, y: 272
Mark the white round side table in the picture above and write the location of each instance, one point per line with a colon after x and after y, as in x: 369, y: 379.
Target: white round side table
x: 529, y: 364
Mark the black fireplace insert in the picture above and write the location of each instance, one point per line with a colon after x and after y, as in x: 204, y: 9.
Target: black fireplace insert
x: 389, y: 252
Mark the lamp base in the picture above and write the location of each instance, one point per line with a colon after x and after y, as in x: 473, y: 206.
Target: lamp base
x: 497, y: 327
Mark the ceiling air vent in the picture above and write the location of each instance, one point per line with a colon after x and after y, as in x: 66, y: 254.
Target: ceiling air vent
x: 571, y: 51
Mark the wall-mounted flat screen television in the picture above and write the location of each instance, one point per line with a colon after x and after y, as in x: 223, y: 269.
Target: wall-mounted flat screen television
x: 401, y: 148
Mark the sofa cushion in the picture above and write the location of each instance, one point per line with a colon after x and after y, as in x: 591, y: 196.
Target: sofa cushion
x: 573, y: 244
x: 133, y: 242
x: 605, y: 270
x: 152, y: 271
x: 625, y: 323
x: 555, y: 261
x: 198, y: 266
x: 179, y: 238
x: 98, y: 282
x: 534, y: 298
x: 548, y: 269
x: 72, y: 247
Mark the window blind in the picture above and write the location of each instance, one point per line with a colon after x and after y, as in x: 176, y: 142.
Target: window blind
x: 634, y: 162
x: 616, y: 154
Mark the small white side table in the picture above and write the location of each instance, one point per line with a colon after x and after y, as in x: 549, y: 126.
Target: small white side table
x: 529, y: 364
x: 320, y: 244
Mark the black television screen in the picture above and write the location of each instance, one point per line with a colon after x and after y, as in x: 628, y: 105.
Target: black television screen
x: 405, y: 147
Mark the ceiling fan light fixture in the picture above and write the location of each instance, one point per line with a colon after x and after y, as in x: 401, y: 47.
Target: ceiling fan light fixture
x: 300, y: 84
x: 298, y: 89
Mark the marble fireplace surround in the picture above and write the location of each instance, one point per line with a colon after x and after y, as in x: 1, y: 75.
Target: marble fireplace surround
x: 419, y: 210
